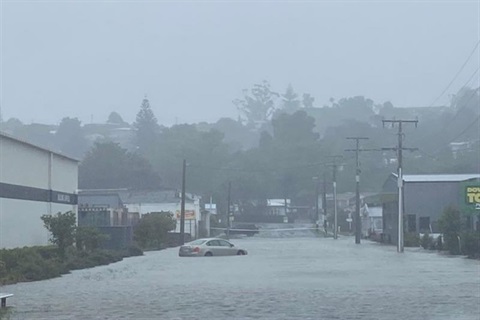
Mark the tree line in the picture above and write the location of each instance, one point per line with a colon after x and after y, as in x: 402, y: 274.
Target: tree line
x: 278, y: 143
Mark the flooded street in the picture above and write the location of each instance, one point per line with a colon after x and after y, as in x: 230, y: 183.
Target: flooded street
x: 280, y: 278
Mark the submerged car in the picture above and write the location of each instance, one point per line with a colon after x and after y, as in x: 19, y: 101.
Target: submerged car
x: 210, y: 247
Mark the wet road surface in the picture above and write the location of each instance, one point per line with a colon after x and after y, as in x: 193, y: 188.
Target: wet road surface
x: 280, y: 278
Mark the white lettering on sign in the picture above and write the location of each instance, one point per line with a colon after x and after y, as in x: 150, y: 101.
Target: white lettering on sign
x: 63, y: 197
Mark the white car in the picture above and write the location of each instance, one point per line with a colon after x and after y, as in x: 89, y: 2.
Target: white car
x: 210, y: 247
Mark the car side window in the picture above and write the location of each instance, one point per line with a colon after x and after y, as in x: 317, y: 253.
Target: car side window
x: 213, y: 243
x: 224, y: 243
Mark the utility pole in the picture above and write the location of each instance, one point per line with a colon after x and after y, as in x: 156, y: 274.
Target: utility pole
x: 317, y: 181
x: 324, y: 201
x: 399, y: 150
x: 228, y: 209
x: 182, y: 206
x: 358, y: 224
x: 334, y: 166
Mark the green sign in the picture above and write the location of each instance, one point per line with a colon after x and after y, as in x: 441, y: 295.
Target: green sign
x: 471, y: 197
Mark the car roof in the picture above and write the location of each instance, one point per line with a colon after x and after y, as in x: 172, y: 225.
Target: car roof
x: 208, y: 239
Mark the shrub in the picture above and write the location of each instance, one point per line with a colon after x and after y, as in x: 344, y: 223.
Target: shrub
x: 471, y: 244
x: 134, y: 250
x: 427, y: 241
x: 89, y: 238
x: 439, y: 243
x: 62, y: 228
x: 38, y: 263
x: 450, y: 224
x: 411, y: 239
x: 47, y: 252
x: 152, y: 229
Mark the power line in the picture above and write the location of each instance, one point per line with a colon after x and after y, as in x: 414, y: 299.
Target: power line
x: 471, y: 77
x: 308, y: 165
x: 456, y: 137
x: 472, y: 95
x: 465, y: 130
x: 428, y: 155
x: 457, y: 74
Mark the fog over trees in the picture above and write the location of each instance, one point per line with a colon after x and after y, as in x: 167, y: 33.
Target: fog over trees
x: 275, y: 147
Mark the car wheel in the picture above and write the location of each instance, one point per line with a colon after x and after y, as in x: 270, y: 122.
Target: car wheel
x: 240, y: 253
x: 208, y: 254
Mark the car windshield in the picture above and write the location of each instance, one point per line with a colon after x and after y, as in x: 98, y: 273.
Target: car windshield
x: 335, y: 143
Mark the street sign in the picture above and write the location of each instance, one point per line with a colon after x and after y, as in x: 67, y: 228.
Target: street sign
x: 471, y: 197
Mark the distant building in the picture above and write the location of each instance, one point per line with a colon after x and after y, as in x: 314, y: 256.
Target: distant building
x: 278, y: 207
x: 148, y: 201
x: 33, y: 181
x: 425, y: 199
x: 458, y: 148
x: 101, y: 208
x: 372, y: 224
x: 104, y: 210
x: 210, y: 209
x: 265, y: 211
x: 344, y: 200
x: 346, y: 204
x: 122, y: 134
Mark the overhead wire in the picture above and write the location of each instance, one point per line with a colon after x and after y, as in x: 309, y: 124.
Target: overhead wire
x: 457, y: 74
x: 306, y: 165
x: 465, y: 104
x: 461, y: 108
x: 465, y: 130
x: 452, y: 140
x: 427, y: 154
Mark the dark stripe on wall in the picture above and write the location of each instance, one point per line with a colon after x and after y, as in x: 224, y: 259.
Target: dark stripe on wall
x: 12, y: 191
x: 62, y: 197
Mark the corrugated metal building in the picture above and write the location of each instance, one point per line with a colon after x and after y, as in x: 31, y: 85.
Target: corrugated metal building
x: 425, y: 199
x: 33, y: 181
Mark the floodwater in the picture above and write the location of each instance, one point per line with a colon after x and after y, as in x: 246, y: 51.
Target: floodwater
x: 280, y: 278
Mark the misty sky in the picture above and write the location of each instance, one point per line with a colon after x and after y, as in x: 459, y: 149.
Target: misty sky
x: 85, y: 59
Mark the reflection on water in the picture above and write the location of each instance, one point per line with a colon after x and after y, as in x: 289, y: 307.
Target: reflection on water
x: 281, y: 278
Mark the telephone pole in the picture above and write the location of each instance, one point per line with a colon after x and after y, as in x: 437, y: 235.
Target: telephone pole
x: 399, y: 150
x: 334, y: 167
x: 317, y: 181
x: 358, y: 225
x: 324, y: 201
x: 182, y: 206
x: 316, y: 201
x: 228, y: 209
